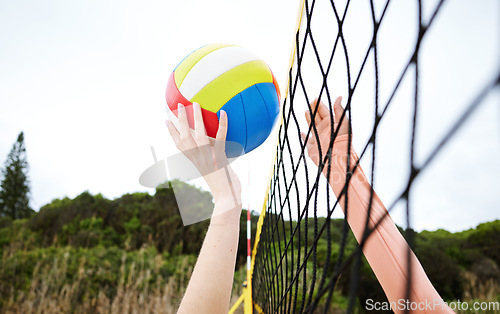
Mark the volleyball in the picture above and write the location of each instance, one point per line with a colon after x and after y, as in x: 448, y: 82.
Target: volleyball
x: 233, y: 79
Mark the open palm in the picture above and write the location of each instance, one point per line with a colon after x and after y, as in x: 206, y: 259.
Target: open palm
x: 323, y: 126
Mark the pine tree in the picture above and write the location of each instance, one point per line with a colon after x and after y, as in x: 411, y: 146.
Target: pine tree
x: 14, y: 192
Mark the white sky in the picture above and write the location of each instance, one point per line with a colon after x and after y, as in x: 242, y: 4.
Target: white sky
x: 85, y: 81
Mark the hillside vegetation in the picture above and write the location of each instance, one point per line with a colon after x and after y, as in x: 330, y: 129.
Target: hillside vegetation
x: 133, y: 253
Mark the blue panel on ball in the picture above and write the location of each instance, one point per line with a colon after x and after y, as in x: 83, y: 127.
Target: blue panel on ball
x: 236, y: 129
x: 258, y: 119
x: 270, y: 97
x: 251, y: 116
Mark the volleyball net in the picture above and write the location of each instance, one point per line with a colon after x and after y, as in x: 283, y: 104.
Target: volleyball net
x: 305, y: 258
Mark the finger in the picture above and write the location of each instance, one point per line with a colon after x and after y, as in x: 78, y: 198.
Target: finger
x: 184, y: 130
x: 310, y: 141
x: 182, y: 117
x: 314, y: 104
x: 323, y: 110
x: 308, y: 117
x: 200, y: 133
x: 316, y: 127
x: 222, y: 132
x: 338, y: 110
x: 303, y: 137
x: 175, y: 134
x: 310, y: 144
x: 200, y: 136
x: 220, y: 141
x: 341, y: 123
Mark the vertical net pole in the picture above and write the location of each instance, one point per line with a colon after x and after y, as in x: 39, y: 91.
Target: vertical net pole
x: 248, y: 290
x: 247, y: 307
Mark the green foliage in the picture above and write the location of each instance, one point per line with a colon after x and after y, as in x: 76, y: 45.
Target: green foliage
x: 486, y: 238
x: 98, y: 246
x: 128, y: 222
x: 443, y: 271
x: 14, y: 188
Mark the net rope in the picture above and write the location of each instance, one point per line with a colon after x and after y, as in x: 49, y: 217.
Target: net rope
x: 289, y: 275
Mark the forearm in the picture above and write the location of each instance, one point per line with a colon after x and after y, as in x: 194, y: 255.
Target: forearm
x: 210, y: 286
x: 386, y: 250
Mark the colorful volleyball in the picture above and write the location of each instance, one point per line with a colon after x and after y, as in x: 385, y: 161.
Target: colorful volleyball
x: 230, y: 78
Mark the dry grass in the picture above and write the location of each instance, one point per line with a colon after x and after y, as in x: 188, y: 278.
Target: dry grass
x: 476, y: 289
x: 50, y: 292
x: 53, y: 285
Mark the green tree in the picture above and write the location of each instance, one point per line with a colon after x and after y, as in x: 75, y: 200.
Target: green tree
x: 14, y: 192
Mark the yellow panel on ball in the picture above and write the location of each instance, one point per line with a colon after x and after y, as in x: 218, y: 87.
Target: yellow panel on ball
x: 214, y: 95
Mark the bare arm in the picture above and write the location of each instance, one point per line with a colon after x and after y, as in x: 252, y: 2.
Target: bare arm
x: 386, y: 250
x: 209, y: 289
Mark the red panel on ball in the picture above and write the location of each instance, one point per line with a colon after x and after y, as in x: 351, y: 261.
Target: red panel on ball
x: 211, y: 122
x: 174, y: 97
x: 275, y: 82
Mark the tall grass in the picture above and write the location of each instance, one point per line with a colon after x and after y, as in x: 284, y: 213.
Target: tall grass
x: 96, y: 280
x: 61, y: 280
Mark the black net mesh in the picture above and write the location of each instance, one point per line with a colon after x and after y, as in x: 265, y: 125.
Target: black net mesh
x: 306, y: 260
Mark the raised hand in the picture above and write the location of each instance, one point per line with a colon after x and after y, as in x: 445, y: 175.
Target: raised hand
x: 208, y: 156
x: 323, y: 126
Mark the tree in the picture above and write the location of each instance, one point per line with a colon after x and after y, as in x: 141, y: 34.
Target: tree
x: 15, y: 190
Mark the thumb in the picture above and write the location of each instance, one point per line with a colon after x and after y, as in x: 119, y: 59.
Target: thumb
x: 338, y: 110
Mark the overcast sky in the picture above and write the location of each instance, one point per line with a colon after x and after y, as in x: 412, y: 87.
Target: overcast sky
x: 85, y: 81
